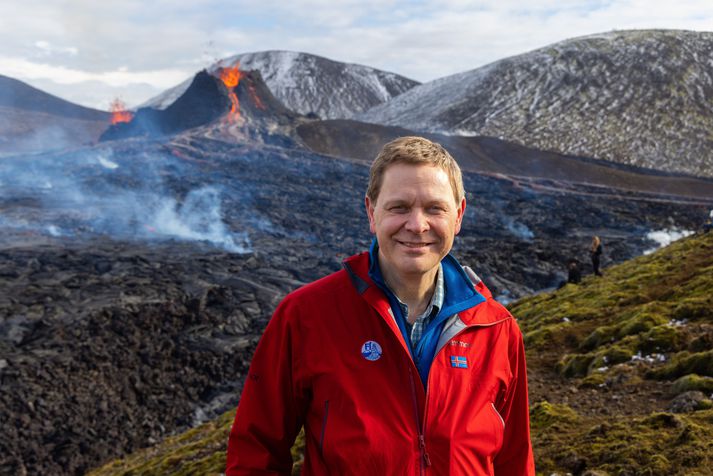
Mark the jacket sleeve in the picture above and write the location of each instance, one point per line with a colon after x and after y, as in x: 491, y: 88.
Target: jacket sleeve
x: 515, y: 457
x: 270, y: 412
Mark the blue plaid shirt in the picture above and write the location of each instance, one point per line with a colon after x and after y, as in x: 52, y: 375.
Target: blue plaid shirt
x: 415, y: 330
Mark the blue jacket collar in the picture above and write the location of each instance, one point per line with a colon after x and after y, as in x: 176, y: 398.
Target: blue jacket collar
x: 459, y: 288
x: 460, y: 295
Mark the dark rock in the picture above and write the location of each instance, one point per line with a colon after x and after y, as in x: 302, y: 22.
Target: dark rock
x: 689, y: 401
x: 113, y: 374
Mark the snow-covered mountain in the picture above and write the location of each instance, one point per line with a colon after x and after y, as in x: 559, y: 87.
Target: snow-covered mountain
x: 637, y: 97
x: 310, y: 84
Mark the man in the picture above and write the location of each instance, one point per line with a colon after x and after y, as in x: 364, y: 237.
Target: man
x: 399, y: 364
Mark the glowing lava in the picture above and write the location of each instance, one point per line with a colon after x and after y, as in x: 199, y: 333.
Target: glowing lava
x: 119, y: 112
x: 256, y: 99
x: 231, y: 77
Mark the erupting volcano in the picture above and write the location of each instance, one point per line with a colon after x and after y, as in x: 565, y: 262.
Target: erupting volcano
x: 119, y: 112
x: 231, y: 77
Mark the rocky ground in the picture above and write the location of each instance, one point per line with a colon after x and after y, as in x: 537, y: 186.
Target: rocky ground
x: 620, y: 377
x: 137, y: 276
x: 112, y: 346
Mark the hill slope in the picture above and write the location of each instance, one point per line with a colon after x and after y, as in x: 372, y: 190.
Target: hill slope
x: 637, y: 97
x: 616, y: 359
x: 34, y: 121
x: 610, y: 361
x: 311, y: 84
x: 362, y: 141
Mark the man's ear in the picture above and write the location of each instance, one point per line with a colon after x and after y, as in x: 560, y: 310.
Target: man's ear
x: 370, y: 213
x: 461, y: 212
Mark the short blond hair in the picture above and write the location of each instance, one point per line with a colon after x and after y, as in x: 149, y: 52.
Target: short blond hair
x: 415, y: 151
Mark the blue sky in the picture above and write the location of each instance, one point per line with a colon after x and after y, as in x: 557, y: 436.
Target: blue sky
x: 90, y: 52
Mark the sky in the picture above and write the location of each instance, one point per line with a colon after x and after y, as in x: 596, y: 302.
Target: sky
x: 91, y: 52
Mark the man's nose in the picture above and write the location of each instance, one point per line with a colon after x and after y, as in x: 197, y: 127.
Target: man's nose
x: 417, y: 221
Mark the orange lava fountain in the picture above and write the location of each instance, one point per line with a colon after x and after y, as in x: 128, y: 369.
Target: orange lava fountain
x: 231, y: 77
x: 119, y: 112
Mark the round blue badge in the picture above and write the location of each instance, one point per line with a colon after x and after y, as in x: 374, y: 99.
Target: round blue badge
x: 371, y: 350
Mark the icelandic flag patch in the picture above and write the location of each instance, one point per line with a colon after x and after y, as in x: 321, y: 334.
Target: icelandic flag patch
x: 459, y: 362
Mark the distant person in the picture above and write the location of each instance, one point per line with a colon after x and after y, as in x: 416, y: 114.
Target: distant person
x: 596, y: 253
x: 401, y: 362
x: 574, y: 274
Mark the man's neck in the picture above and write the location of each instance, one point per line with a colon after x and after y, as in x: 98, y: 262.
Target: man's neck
x: 415, y: 290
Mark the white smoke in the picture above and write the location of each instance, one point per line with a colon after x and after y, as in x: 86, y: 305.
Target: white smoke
x: 198, y: 218
x: 665, y: 237
x: 54, y: 230
x: 518, y: 229
x: 96, y: 192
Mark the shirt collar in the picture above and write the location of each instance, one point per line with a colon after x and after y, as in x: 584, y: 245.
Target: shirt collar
x: 439, y: 292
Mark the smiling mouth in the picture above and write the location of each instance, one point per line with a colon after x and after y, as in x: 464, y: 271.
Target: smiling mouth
x: 414, y: 245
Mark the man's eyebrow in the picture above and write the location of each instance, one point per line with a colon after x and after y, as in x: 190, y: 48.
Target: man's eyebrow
x: 396, y: 201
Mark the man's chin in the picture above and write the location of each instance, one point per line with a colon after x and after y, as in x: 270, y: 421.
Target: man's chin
x: 416, y: 265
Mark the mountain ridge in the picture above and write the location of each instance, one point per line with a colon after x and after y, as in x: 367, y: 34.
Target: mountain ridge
x: 641, y: 97
x: 33, y: 121
x: 302, y: 80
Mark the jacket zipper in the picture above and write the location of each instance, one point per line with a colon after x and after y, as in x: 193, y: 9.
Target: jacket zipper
x: 324, y: 427
x: 425, y: 459
x: 422, y: 427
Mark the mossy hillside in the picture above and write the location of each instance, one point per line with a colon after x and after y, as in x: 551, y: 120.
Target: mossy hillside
x: 654, y: 312
x: 659, y: 443
x: 199, y: 451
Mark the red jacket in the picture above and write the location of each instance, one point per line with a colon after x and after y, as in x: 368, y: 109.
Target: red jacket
x: 333, y: 359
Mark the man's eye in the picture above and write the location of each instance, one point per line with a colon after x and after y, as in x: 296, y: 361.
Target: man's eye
x: 398, y: 209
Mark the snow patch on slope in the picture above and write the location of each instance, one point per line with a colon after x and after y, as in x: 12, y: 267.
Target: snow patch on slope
x: 310, y: 84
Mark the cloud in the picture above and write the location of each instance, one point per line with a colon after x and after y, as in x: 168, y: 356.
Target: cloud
x: 122, y: 75
x: 49, y: 49
x: 163, y: 42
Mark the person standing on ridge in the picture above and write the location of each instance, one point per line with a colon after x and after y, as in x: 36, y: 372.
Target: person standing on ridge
x: 596, y: 252
x: 401, y: 363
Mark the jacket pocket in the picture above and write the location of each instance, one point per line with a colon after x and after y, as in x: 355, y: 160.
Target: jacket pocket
x: 325, y: 417
x: 500, y: 417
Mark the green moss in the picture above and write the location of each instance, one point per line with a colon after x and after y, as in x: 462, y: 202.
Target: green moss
x: 660, y: 443
x: 683, y: 363
x: 200, y: 450
x: 661, y: 339
x: 701, y: 343
x: 561, y: 333
x: 599, y: 336
x: 575, y: 365
x: 694, y: 309
x: 647, y: 318
x: 693, y: 382
x: 545, y: 414
x: 610, y: 356
x: 593, y: 380
x: 538, y: 338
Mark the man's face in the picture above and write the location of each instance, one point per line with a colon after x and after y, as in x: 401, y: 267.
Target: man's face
x: 415, y: 219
